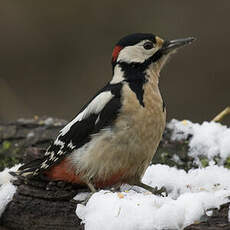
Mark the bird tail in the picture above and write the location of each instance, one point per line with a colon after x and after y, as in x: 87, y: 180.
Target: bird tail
x: 30, y: 169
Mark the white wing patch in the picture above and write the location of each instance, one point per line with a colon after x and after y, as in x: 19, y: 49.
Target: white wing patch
x: 67, y: 127
x: 95, y: 106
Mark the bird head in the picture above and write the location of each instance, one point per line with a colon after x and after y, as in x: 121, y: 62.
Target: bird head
x: 141, y: 51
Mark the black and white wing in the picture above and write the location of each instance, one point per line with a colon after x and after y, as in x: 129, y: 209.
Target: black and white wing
x: 99, y: 113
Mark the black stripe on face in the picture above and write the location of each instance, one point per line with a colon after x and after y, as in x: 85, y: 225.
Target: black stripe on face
x: 137, y: 88
x: 154, y: 58
x: 135, y: 76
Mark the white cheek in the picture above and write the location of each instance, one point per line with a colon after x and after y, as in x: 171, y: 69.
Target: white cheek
x: 134, y: 54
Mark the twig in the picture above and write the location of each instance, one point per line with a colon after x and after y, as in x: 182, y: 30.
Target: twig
x: 219, y: 117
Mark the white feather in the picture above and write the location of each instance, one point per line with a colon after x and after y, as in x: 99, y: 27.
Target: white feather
x: 95, y: 106
x: 71, y: 145
x: 44, y: 164
x: 51, y: 155
x: 60, y: 143
x: 118, y: 75
x: 98, y: 119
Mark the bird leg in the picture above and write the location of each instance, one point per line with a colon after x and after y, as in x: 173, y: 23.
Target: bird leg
x: 92, y: 189
x: 153, y: 190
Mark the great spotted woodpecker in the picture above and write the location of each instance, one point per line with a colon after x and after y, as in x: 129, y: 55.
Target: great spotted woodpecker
x: 115, y: 135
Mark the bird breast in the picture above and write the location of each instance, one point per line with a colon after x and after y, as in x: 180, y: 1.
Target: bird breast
x: 129, y: 145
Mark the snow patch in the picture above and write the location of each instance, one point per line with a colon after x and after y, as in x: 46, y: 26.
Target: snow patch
x: 209, y: 139
x: 190, y: 195
x: 5, y: 177
x: 6, y: 194
x: 7, y: 189
x: 82, y: 196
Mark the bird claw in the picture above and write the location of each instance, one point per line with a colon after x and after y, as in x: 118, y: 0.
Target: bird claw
x: 160, y: 191
x: 84, y: 202
x: 153, y: 190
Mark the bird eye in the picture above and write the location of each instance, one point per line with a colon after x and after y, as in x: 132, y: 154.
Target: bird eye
x: 148, y: 45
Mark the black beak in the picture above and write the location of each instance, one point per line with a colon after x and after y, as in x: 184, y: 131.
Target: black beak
x: 169, y: 46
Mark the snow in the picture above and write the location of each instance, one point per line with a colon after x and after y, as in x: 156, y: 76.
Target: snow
x: 5, y: 177
x: 49, y: 121
x: 209, y: 139
x: 6, y: 194
x: 191, y: 194
x: 7, y: 189
x: 82, y: 196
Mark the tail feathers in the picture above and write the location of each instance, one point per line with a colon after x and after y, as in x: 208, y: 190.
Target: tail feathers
x: 30, y: 169
x: 32, y: 164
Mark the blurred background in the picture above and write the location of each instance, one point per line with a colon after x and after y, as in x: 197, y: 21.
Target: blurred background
x: 54, y: 55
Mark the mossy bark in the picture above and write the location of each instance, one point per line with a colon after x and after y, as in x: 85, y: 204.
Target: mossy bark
x: 22, y: 140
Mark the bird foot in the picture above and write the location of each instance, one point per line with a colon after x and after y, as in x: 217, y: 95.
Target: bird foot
x: 85, y: 201
x: 162, y: 191
x: 154, y: 190
x: 92, y: 189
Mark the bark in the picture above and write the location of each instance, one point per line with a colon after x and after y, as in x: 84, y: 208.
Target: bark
x: 218, y: 221
x: 40, y: 204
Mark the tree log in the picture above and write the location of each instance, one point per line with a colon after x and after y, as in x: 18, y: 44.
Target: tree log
x: 40, y: 204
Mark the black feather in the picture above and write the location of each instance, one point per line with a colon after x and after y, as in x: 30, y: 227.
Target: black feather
x: 80, y: 132
x: 32, y: 164
x: 133, y: 39
x: 134, y: 74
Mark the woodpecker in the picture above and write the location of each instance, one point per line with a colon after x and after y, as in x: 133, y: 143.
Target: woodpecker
x: 114, y: 137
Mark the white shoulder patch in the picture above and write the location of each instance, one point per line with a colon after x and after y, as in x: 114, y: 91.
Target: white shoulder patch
x: 95, y: 106
x: 118, y: 75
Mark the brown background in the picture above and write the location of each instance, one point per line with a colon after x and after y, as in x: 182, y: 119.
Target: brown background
x: 54, y: 55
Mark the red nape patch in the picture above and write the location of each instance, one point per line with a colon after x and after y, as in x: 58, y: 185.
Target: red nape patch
x: 116, y: 52
x: 63, y: 171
